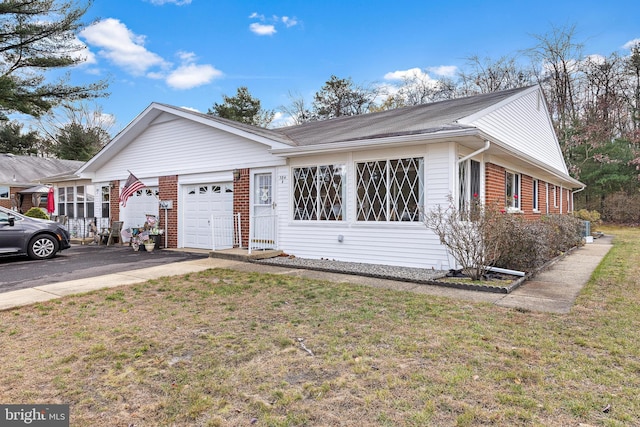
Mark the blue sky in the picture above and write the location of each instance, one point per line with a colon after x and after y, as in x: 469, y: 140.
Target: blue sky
x: 188, y: 53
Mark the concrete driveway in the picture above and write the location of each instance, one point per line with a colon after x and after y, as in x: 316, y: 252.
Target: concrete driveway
x: 82, y: 262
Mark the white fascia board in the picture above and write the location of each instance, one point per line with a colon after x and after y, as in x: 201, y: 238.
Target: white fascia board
x: 365, y: 144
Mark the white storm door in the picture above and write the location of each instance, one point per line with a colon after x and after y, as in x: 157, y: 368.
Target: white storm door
x: 263, y: 219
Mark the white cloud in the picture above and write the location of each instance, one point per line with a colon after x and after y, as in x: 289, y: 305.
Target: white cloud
x: 121, y: 46
x: 631, y: 43
x: 267, y: 26
x: 176, y: 2
x: 189, y: 75
x: 444, y: 70
x: 289, y: 22
x: 125, y: 49
x: 262, y: 30
x: 406, y: 74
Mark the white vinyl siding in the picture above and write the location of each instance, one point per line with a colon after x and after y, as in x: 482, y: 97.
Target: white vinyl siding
x: 180, y: 146
x: 391, y: 243
x: 529, y: 130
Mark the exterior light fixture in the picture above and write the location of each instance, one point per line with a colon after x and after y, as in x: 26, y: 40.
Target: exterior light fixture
x: 236, y: 174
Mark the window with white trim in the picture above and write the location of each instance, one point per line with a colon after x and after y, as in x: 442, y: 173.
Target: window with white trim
x: 469, y: 181
x: 105, y: 201
x: 76, y: 202
x: 4, y: 192
x: 536, y: 206
x: 390, y: 190
x: 319, y: 193
x: 555, y: 196
x: 512, y: 185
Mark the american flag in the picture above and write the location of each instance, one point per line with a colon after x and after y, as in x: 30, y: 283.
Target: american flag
x: 132, y: 185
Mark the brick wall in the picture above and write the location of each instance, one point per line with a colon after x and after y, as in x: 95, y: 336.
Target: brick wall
x: 495, y: 191
x: 494, y: 185
x: 168, y: 190
x: 114, y: 200
x: 241, y: 204
x: 26, y: 199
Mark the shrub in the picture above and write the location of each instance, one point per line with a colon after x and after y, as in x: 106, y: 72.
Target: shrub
x: 483, y: 237
x: 621, y: 208
x: 36, y: 213
x: 592, y: 216
x: 468, y: 235
x: 527, y: 246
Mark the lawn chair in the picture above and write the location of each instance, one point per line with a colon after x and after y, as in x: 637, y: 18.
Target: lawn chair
x: 114, y: 233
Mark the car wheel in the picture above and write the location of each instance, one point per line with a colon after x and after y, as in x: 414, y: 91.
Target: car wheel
x: 42, y: 246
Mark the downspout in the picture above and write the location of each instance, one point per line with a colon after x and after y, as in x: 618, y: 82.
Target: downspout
x: 574, y: 192
x: 487, y: 144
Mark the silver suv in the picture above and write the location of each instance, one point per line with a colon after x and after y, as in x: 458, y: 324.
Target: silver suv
x: 38, y: 238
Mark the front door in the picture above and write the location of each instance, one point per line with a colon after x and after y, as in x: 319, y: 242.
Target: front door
x: 263, y: 219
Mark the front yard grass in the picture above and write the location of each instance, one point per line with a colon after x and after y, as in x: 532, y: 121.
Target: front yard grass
x: 225, y: 348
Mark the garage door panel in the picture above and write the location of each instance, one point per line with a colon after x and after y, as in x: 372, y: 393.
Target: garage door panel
x: 201, y: 201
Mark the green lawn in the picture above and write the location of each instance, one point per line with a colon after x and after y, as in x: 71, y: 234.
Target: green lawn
x: 223, y: 348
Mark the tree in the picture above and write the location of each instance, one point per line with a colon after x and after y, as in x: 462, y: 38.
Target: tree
x: 75, y: 142
x: 559, y: 56
x: 242, y: 108
x: 13, y: 141
x: 489, y: 75
x: 297, y: 109
x: 76, y: 131
x: 341, y: 97
x: 38, y: 36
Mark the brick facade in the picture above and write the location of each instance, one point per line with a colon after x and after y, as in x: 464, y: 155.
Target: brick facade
x: 168, y: 190
x: 26, y: 199
x: 496, y: 189
x: 241, y: 204
x: 114, y: 200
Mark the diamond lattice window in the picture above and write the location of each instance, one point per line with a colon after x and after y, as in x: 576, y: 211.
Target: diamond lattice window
x: 318, y: 193
x: 390, y: 190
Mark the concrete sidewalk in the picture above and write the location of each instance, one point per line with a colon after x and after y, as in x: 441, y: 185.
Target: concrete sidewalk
x: 553, y: 290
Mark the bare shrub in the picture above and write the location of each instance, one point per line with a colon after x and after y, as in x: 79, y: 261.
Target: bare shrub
x: 470, y: 235
x: 482, y: 237
x: 621, y: 208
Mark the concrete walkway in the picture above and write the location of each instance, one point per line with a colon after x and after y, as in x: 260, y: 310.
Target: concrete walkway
x: 553, y: 290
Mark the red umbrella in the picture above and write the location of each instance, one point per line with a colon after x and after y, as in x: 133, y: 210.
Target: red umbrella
x: 51, y: 204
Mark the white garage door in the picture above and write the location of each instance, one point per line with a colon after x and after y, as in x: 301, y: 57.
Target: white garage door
x: 201, y: 202
x: 139, y: 205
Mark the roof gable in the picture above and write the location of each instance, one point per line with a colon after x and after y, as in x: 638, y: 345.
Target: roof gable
x: 522, y: 123
x: 161, y: 113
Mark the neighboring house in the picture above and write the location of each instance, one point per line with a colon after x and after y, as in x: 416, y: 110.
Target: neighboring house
x: 349, y: 188
x: 21, y: 179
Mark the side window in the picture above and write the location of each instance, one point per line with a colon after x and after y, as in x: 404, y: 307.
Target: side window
x: 512, y: 185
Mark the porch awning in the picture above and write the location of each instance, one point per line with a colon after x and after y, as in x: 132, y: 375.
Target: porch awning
x: 36, y: 189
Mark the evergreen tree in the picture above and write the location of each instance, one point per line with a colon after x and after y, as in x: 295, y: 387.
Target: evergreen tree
x: 242, y: 108
x: 38, y: 36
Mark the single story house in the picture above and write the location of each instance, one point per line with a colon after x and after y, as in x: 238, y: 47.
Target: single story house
x: 22, y: 179
x: 349, y: 188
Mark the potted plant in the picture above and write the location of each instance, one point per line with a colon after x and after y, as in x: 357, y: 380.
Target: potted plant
x: 149, y: 245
